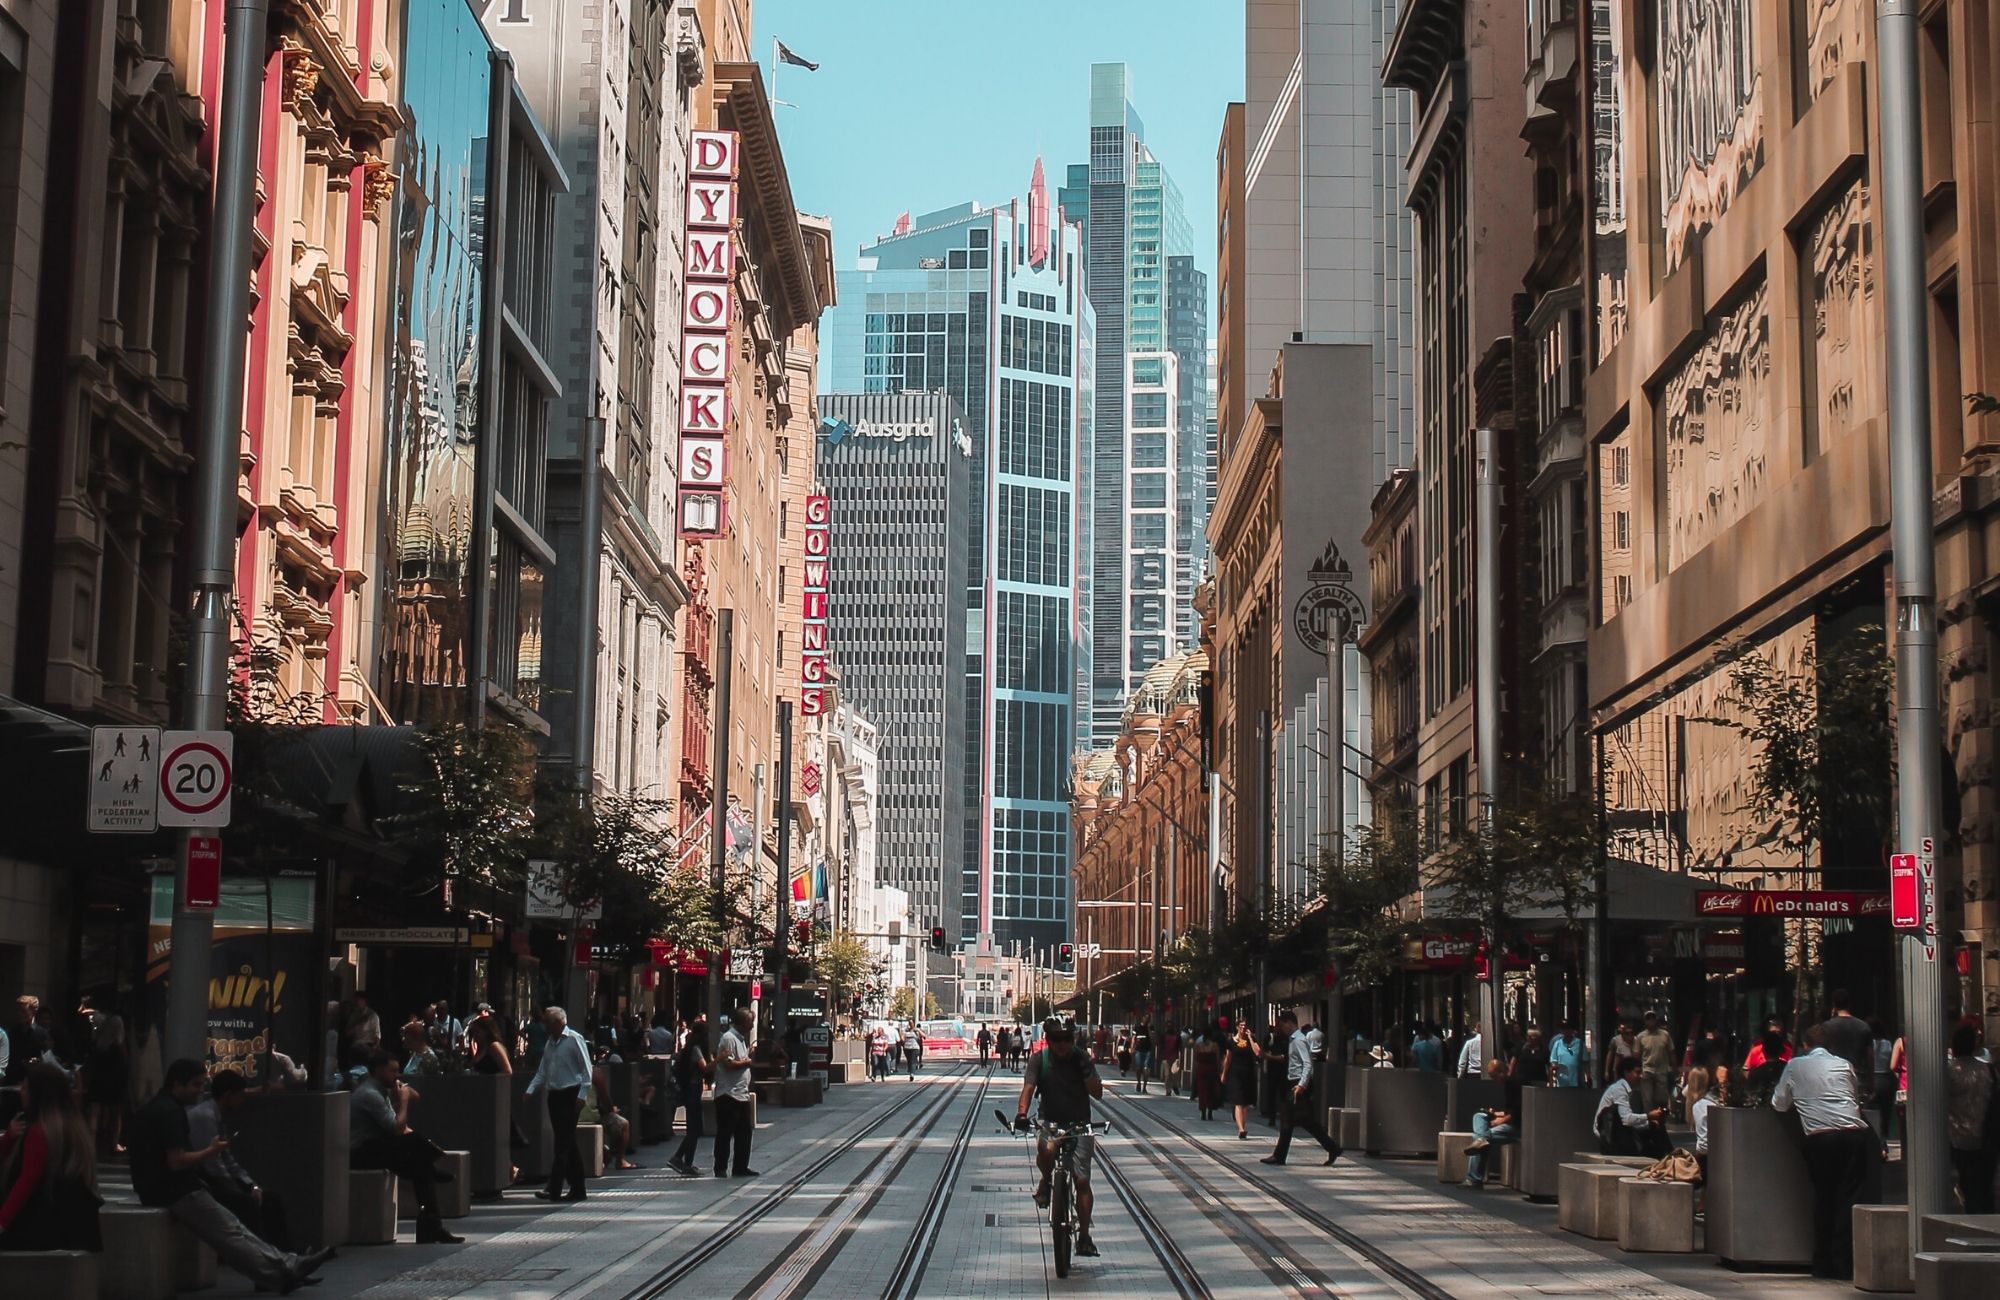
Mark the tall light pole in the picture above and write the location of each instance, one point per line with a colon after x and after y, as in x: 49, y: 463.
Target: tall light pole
x: 1486, y: 617
x: 216, y: 468
x: 718, y: 845
x: 1912, y: 542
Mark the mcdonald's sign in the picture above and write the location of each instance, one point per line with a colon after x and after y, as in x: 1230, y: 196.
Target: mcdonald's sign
x: 1790, y: 902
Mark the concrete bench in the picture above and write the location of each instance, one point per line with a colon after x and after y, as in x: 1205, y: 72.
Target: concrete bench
x: 194, y: 1260
x: 138, y: 1261
x: 1343, y: 1123
x: 803, y: 1092
x: 1958, y: 1275
x: 49, y: 1274
x: 1931, y: 1235
x: 590, y: 1145
x: 1504, y: 1164
x: 1587, y: 1199
x: 1882, y: 1248
x: 371, y: 1207
x: 1599, y: 1158
x: 454, y: 1197
x: 1451, y: 1145
x: 769, y: 1091
x: 1655, y: 1217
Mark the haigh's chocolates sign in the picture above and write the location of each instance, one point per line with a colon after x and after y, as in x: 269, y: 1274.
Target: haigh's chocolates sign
x: 812, y: 645
x: 708, y: 307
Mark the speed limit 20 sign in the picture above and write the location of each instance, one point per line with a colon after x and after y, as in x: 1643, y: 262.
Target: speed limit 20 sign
x: 195, y: 778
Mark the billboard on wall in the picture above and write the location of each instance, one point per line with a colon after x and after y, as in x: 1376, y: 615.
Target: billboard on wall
x: 264, y: 961
x: 812, y: 646
x: 708, y: 308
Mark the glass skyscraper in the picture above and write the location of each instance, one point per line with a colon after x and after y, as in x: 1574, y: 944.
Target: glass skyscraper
x: 1149, y: 477
x: 986, y: 305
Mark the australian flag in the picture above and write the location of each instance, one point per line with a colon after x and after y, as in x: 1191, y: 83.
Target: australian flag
x: 785, y: 55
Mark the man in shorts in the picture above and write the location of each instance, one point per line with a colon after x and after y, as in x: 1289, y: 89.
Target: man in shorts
x: 1067, y: 1081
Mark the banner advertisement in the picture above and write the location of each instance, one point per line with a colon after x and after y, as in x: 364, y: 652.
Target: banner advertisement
x: 260, y: 987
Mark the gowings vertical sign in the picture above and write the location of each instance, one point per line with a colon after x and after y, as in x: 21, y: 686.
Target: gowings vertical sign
x: 812, y: 639
x: 707, y: 310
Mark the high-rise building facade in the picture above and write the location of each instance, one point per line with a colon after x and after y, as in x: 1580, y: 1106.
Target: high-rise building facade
x: 986, y: 305
x: 897, y: 469
x: 1139, y: 249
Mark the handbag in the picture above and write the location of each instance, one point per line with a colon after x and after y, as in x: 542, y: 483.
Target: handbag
x: 1677, y: 1166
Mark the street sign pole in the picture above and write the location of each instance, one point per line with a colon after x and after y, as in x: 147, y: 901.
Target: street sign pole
x: 781, y: 1000
x: 216, y: 471
x: 1906, y: 297
x: 718, y: 782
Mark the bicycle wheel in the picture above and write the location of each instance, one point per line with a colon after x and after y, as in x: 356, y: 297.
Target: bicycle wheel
x: 1059, y: 1222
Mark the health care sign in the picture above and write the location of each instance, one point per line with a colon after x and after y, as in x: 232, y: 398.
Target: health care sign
x: 812, y: 647
x: 707, y: 309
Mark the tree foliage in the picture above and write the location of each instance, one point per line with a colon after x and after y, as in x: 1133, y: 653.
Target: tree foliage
x: 902, y: 1005
x: 469, y: 806
x: 846, y: 965
x: 1366, y: 930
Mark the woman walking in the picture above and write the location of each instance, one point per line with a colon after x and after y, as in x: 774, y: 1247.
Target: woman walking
x: 107, y: 1082
x: 1239, y: 1076
x: 692, y: 1068
x: 48, y: 1170
x: 1208, y: 1071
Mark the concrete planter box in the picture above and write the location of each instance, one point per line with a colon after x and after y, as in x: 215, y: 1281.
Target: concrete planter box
x: 295, y: 1143
x: 1463, y: 1097
x: 1759, y: 1194
x: 471, y: 1113
x: 1555, y: 1126
x: 531, y: 1116
x: 1401, y: 1111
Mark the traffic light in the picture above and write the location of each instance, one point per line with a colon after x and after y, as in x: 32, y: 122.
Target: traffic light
x: 937, y: 939
x: 1066, y: 953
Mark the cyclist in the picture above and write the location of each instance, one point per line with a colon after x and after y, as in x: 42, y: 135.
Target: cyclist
x: 1067, y: 1080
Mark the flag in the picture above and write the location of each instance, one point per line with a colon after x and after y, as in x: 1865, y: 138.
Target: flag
x: 785, y: 55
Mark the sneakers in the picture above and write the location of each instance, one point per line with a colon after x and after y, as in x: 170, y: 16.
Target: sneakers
x: 1477, y: 1144
x: 1042, y: 1194
x: 1478, y: 1184
x: 1086, y: 1247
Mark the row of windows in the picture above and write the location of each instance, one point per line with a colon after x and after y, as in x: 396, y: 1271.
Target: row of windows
x: 1034, y: 536
x: 1033, y: 643
x: 1034, y: 344
x: 1031, y: 749
x: 1035, y: 429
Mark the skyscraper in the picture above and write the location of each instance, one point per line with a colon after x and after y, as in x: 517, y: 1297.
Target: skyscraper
x: 1148, y: 440
x: 898, y: 471
x: 985, y: 305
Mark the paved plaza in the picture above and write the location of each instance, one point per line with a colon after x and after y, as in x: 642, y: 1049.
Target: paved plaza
x: 911, y: 1189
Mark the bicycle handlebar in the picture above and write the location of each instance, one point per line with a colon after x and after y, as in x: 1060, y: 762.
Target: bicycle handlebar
x: 1042, y: 1128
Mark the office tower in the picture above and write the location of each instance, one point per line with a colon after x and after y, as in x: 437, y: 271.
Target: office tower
x: 1146, y: 459
x: 897, y: 469
x: 985, y: 304
x: 1187, y: 339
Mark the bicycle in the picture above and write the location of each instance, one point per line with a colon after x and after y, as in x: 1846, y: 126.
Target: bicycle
x: 1063, y: 1225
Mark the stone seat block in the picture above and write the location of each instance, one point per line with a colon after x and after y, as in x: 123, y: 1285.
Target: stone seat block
x: 1936, y: 1228
x: 1587, y: 1200
x: 1451, y: 1155
x: 49, y: 1274
x: 194, y: 1261
x: 454, y: 1197
x: 803, y: 1092
x: 1598, y: 1158
x: 371, y: 1207
x: 590, y: 1145
x: 138, y: 1262
x: 1958, y: 1275
x: 1882, y: 1248
x: 1349, y: 1131
x: 1655, y: 1217
x: 769, y: 1091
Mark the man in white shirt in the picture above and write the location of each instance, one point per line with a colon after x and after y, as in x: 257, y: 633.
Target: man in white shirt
x: 1633, y: 1130
x: 1472, y: 1056
x: 565, y: 1072
x: 733, y: 1123
x: 1842, y: 1154
x: 1295, y: 1102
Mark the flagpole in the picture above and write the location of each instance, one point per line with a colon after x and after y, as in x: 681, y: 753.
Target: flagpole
x: 774, y: 79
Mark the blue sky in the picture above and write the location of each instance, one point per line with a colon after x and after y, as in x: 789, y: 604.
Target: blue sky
x: 923, y: 104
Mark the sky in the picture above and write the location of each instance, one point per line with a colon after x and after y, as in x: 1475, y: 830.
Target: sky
x: 923, y: 104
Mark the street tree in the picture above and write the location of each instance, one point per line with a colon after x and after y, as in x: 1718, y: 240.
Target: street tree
x: 903, y: 1005
x: 846, y: 965
x: 1821, y: 772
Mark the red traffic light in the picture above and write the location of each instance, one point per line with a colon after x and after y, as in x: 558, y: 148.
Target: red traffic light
x: 937, y: 938
x: 1067, y: 952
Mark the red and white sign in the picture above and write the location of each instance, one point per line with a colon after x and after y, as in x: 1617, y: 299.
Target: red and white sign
x: 204, y: 871
x: 708, y: 307
x: 195, y: 777
x: 809, y: 778
x: 1904, y: 892
x: 812, y: 648
x: 1790, y: 902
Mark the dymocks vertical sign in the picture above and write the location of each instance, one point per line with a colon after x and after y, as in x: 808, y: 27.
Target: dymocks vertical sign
x: 812, y: 644
x: 708, y: 307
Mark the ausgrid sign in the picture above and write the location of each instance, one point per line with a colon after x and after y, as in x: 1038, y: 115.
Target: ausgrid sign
x: 837, y: 431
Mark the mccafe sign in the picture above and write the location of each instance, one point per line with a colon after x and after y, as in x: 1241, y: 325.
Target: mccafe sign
x: 708, y: 307
x: 1789, y: 902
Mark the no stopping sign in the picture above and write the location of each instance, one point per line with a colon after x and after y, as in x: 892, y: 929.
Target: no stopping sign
x: 195, y: 778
